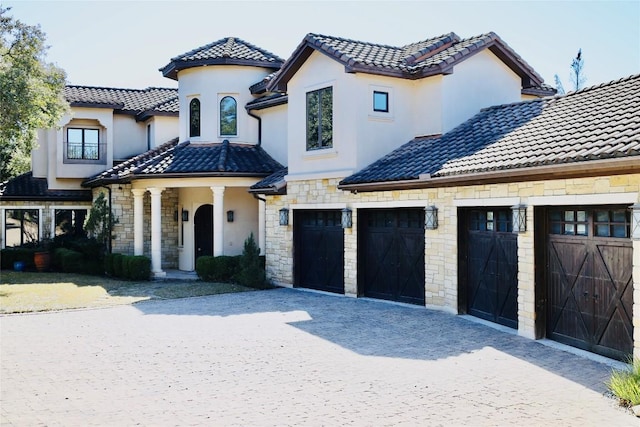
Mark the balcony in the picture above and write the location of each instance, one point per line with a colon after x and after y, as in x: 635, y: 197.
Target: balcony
x: 78, y: 153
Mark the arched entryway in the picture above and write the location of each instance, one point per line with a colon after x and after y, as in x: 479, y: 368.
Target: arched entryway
x: 203, y: 223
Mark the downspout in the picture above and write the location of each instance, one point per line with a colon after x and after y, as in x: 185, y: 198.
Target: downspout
x: 259, y: 119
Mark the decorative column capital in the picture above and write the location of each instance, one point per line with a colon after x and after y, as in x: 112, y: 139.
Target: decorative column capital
x: 155, y: 191
x: 138, y: 192
x: 218, y: 190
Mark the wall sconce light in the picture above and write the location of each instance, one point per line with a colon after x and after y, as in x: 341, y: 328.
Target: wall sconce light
x: 519, y: 218
x: 431, y: 217
x: 175, y: 215
x: 284, y: 216
x: 347, y: 218
x: 185, y: 216
x: 229, y: 216
x: 635, y: 221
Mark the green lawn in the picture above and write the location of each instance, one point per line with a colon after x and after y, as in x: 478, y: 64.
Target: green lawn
x: 22, y: 292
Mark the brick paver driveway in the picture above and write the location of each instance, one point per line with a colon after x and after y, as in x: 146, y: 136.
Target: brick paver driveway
x: 287, y: 357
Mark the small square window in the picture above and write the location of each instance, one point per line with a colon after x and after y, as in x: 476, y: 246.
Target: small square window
x: 380, y: 101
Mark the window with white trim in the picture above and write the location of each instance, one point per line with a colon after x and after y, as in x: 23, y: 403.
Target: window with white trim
x: 320, y: 119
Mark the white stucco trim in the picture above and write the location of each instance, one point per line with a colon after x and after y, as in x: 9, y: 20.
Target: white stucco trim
x: 323, y: 153
x: 495, y: 201
x: 584, y: 199
x: 339, y: 173
x: 395, y: 204
x: 318, y: 206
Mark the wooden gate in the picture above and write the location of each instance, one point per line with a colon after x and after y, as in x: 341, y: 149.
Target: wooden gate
x: 318, y: 250
x: 391, y: 261
x: 589, y: 280
x: 489, y: 265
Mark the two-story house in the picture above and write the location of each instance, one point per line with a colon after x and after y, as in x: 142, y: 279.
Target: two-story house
x: 440, y: 173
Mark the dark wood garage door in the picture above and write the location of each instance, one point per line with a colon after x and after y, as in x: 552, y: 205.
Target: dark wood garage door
x: 319, y: 250
x: 589, y: 279
x: 489, y: 265
x: 391, y: 260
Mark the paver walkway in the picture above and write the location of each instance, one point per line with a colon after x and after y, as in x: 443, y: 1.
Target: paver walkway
x: 287, y: 357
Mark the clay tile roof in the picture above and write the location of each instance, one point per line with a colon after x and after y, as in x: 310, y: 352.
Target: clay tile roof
x: 175, y: 159
x: 273, y: 184
x: 436, y: 55
x: 149, y: 101
x: 596, y: 123
x: 26, y: 187
x: 227, y: 51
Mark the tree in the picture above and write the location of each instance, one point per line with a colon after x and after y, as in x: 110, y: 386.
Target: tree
x: 31, y: 93
x: 577, y: 71
x: 576, y: 75
x: 100, y: 221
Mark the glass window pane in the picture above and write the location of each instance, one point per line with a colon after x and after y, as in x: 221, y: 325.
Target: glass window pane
x: 619, y: 216
x: 380, y: 101
x: 194, y: 117
x: 228, y: 116
x: 74, y: 135
x: 620, y: 231
x: 91, y: 136
x: 489, y: 225
x: 327, y: 117
x: 602, y: 216
x: 582, y: 229
x: 489, y: 216
x: 569, y: 229
x: 602, y: 230
x: 556, y: 216
x: 556, y: 228
x: 581, y: 215
x: 569, y: 216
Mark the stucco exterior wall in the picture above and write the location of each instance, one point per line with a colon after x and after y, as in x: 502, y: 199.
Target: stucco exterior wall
x: 480, y: 81
x: 129, y: 137
x: 210, y: 84
x: 163, y: 129
x: 274, y: 132
x: 441, y: 248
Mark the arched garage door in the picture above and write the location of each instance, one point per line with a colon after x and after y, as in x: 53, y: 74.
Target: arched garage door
x: 589, y: 284
x: 391, y: 254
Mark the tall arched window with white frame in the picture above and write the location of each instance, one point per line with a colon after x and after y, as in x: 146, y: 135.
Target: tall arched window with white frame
x: 228, y: 116
x: 194, y: 117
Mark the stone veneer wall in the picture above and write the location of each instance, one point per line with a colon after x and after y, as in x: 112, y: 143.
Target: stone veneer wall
x: 122, y: 205
x: 441, y: 251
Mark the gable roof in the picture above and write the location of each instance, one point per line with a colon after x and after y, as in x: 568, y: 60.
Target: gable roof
x: 176, y: 160
x: 226, y: 51
x: 437, y: 55
x: 538, y: 139
x: 26, y: 187
x: 141, y: 103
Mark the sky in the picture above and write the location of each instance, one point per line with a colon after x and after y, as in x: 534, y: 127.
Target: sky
x: 123, y: 44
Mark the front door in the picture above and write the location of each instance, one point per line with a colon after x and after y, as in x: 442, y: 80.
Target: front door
x: 203, y: 230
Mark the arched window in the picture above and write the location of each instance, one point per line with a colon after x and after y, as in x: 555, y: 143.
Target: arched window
x: 228, y: 116
x: 194, y: 117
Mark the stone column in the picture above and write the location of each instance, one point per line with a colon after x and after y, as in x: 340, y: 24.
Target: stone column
x: 156, y: 232
x: 138, y: 221
x: 262, y: 229
x: 218, y: 220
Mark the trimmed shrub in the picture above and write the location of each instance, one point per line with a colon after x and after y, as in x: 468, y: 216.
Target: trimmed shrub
x: 139, y: 267
x: 218, y: 269
x: 108, y: 264
x: 10, y: 255
x: 117, y: 265
x: 68, y: 261
x: 251, y: 272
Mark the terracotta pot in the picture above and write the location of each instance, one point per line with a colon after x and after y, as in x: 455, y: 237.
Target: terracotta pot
x: 42, y: 260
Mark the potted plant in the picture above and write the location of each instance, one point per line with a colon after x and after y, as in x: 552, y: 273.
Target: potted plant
x: 42, y: 255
